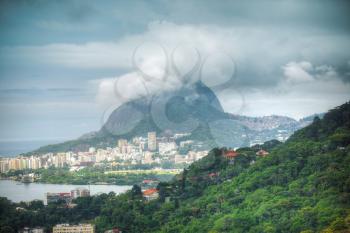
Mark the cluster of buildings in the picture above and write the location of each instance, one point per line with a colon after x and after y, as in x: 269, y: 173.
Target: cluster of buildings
x: 80, y: 228
x: 66, y: 197
x: 67, y: 228
x: 20, y: 163
x: 139, y: 150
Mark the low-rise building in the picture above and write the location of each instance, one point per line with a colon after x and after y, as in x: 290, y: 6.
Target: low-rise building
x: 230, y: 154
x: 262, y: 153
x: 150, y: 194
x: 114, y: 230
x: 32, y: 230
x: 56, y: 197
x: 180, y: 159
x: 164, y: 147
x: 81, y: 228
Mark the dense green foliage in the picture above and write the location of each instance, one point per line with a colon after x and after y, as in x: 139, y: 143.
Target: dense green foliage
x: 303, y: 185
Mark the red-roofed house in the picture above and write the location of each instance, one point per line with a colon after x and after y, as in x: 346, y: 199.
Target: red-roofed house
x: 150, y: 194
x: 230, y: 154
x: 262, y: 153
x: 147, y: 181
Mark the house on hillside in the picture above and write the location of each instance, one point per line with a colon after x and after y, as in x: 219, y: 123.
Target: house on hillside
x: 230, y: 155
x: 262, y: 153
x: 150, y: 194
x: 148, y: 183
x: 114, y: 230
x: 31, y: 230
x: 213, y: 175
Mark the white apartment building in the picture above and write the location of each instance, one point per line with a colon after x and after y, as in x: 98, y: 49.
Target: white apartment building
x: 81, y: 228
x: 164, y: 147
x: 152, y: 141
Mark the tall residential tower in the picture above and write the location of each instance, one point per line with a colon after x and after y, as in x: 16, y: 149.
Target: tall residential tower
x: 152, y: 141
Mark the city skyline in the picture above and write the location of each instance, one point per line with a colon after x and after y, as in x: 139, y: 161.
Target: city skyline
x: 137, y: 151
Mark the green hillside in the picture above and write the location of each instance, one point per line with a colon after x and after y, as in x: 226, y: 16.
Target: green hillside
x: 303, y: 185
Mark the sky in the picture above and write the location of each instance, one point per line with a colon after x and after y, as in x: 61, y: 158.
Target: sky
x: 65, y: 65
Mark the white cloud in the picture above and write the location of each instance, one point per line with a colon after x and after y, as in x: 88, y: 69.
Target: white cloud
x: 304, y: 90
x: 295, y: 72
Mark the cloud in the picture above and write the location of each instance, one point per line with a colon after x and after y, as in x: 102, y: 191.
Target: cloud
x: 304, y: 89
x: 88, y: 56
x: 258, y: 52
x: 56, y: 25
x: 249, y: 58
x: 298, y: 72
x: 304, y: 71
x: 301, y: 87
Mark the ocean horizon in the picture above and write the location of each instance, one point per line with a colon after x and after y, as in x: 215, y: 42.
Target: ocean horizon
x: 14, y: 148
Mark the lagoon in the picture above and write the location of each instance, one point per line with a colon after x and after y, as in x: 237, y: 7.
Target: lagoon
x: 16, y: 191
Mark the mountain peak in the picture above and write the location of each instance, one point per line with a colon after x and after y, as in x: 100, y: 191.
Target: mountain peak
x: 179, y: 110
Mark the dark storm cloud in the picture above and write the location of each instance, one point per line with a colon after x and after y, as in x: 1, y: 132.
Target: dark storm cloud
x: 344, y: 71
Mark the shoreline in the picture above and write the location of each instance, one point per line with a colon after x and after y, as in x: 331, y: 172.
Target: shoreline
x: 18, y: 192
x: 35, y: 182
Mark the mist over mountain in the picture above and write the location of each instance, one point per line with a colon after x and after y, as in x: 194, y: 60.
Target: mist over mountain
x: 192, y: 109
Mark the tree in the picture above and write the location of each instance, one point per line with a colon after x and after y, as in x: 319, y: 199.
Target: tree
x: 136, y: 192
x: 6, y: 229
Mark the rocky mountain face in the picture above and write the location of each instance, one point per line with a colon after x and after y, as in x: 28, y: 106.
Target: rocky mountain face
x: 182, y: 110
x: 192, y: 109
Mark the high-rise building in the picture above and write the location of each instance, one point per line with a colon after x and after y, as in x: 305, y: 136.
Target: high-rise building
x: 17, y: 164
x: 4, y: 165
x: 152, y: 141
x: 122, y: 144
x: 12, y: 164
x: 80, y: 192
x: 81, y: 228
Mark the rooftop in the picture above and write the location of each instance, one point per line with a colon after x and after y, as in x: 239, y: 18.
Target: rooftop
x: 150, y: 191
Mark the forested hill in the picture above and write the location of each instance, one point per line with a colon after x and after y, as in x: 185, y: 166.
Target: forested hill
x: 302, y: 185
